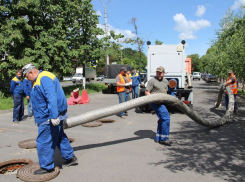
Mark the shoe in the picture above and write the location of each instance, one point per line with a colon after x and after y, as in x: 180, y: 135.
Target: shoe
x: 166, y: 142
x: 126, y: 113
x: 156, y: 141
x: 70, y: 162
x: 29, y: 117
x: 42, y: 171
x: 123, y: 117
x: 16, y: 122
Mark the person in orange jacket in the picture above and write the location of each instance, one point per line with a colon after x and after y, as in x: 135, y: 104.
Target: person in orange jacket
x: 123, y: 83
x: 232, y: 82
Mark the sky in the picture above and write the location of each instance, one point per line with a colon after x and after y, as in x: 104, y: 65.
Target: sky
x: 169, y: 21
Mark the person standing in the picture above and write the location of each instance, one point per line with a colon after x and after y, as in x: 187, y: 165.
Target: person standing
x: 232, y: 82
x: 136, y: 81
x: 49, y: 106
x: 27, y: 85
x: 16, y: 90
x: 123, y: 83
x: 158, y: 84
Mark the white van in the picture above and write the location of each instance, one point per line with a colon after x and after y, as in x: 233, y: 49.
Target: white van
x: 196, y: 75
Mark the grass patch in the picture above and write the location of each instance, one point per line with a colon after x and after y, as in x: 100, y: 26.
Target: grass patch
x: 8, y: 103
x: 240, y: 92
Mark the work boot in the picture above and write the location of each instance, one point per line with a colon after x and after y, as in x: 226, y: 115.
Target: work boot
x: 156, y: 141
x: 123, y: 117
x: 70, y: 162
x: 166, y: 142
x: 42, y: 171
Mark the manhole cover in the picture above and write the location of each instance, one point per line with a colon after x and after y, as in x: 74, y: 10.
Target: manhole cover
x: 106, y: 120
x: 31, y: 143
x: 26, y: 173
x: 92, y: 124
x: 11, y: 166
x: 28, y: 144
x: 2, y: 130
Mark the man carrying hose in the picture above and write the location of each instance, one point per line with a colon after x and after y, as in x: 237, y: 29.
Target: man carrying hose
x: 50, y: 111
x: 232, y: 82
x: 158, y: 84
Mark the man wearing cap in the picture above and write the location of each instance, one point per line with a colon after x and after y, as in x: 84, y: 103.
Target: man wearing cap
x: 136, y: 81
x: 16, y: 90
x: 123, y: 88
x: 50, y: 111
x: 232, y: 82
x: 158, y: 84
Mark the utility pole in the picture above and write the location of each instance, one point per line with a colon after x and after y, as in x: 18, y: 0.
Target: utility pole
x: 106, y: 31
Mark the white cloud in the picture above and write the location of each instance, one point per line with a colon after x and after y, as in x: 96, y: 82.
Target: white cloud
x: 125, y: 32
x: 237, y: 4
x: 187, y: 28
x: 200, y: 10
x: 98, y: 13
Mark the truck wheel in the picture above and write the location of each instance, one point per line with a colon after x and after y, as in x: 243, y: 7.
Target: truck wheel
x: 73, y: 82
x: 112, y: 89
x: 89, y: 80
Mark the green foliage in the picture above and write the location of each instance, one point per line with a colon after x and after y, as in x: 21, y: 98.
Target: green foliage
x: 158, y: 42
x: 48, y: 33
x: 195, y: 61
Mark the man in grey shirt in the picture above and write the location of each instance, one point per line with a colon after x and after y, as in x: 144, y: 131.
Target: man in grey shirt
x: 158, y: 84
x: 123, y: 88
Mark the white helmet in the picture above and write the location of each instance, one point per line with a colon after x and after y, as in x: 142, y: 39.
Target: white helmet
x: 27, y: 68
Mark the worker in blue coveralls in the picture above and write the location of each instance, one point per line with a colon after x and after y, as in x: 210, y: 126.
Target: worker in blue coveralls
x: 27, y: 85
x: 158, y: 84
x: 16, y: 90
x: 136, y: 81
x: 49, y: 106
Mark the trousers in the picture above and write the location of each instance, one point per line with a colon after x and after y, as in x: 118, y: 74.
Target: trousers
x: 18, y: 110
x: 123, y: 97
x: 227, y: 101
x: 49, y: 137
x: 135, y: 91
x: 163, y: 122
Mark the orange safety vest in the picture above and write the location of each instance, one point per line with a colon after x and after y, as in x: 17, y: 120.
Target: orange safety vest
x: 121, y: 89
x: 233, y: 86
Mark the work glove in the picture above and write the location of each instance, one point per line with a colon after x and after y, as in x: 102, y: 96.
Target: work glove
x: 55, y: 122
x: 128, y: 84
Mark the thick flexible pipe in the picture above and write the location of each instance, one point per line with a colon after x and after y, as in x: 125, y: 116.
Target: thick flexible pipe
x: 164, y: 98
x: 189, y: 80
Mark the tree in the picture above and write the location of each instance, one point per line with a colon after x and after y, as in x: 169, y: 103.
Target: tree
x: 50, y: 34
x: 158, y: 42
x: 136, y: 41
x: 195, y: 62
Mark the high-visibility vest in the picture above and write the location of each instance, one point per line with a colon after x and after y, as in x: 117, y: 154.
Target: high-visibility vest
x: 233, y: 86
x: 121, y: 89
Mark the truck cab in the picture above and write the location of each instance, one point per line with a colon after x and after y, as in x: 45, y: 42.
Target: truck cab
x: 172, y: 58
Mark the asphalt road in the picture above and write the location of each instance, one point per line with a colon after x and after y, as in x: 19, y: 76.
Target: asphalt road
x: 125, y: 150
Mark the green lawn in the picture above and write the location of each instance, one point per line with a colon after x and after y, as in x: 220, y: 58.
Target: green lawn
x: 240, y: 92
x: 8, y: 103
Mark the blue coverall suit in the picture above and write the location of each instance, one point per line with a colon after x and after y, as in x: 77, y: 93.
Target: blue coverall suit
x: 27, y: 85
x: 49, y: 102
x: 135, y: 84
x: 16, y: 90
x: 163, y: 122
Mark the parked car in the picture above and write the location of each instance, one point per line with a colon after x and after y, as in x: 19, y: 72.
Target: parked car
x: 78, y: 77
x: 203, y: 75
x: 196, y: 75
x: 210, y: 78
x: 100, y: 78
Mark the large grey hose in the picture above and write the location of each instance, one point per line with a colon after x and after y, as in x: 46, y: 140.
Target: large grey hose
x: 166, y: 99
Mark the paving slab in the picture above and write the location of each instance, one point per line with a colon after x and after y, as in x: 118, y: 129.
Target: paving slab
x: 125, y: 150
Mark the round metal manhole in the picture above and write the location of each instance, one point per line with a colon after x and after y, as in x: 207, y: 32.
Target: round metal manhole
x: 2, y: 130
x: 26, y: 173
x: 12, y: 166
x: 28, y: 144
x: 92, y: 124
x: 106, y: 120
x: 31, y: 143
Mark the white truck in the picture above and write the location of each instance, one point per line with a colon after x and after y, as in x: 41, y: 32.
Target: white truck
x: 172, y: 58
x: 90, y: 74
